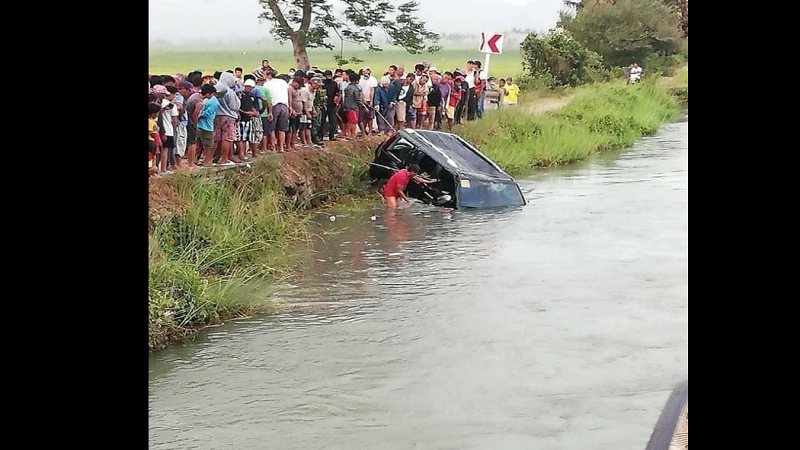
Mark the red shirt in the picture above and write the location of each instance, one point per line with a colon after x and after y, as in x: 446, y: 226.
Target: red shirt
x: 397, y: 183
x: 455, y: 96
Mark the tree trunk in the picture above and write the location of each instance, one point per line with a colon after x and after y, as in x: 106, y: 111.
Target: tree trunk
x: 299, y: 49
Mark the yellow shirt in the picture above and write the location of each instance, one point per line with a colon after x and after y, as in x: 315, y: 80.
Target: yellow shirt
x: 152, y: 128
x: 512, y: 94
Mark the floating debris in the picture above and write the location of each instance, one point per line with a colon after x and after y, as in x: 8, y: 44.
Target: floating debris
x: 373, y: 218
x: 321, y: 260
x: 338, y: 262
x: 333, y: 218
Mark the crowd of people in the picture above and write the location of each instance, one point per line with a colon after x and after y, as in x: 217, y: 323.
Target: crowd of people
x: 226, y: 118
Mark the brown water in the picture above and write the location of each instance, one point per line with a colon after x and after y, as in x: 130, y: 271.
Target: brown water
x: 560, y: 325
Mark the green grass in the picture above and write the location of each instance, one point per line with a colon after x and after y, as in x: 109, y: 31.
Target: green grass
x: 231, y: 231
x: 184, y: 61
x: 599, y: 117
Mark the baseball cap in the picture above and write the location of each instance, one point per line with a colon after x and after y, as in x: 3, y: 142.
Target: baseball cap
x: 433, y: 69
x: 316, y: 80
x: 185, y: 85
x: 250, y: 83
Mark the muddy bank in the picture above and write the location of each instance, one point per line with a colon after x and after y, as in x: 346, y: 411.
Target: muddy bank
x: 309, y: 176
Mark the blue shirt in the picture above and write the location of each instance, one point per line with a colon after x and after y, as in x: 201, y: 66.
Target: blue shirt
x: 208, y: 114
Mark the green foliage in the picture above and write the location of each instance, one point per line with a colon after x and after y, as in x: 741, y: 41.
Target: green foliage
x: 314, y: 22
x: 627, y: 30
x: 561, y: 61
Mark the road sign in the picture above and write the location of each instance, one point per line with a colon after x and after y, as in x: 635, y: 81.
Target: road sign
x: 491, y: 43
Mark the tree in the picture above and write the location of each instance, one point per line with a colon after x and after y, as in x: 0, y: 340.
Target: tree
x: 681, y: 6
x: 560, y: 60
x: 311, y: 23
x: 627, y: 30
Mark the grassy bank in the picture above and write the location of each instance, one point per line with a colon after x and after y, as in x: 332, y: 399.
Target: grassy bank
x: 212, y: 234
x: 599, y: 117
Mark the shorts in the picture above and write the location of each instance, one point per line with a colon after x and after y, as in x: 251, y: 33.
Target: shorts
x: 205, y: 138
x: 224, y: 129
x: 294, y: 123
x: 450, y: 112
x: 268, y: 125
x: 243, y: 131
x: 191, y: 133
x: 423, y: 111
x: 256, y: 130
x: 280, y: 113
x: 400, y: 109
x: 169, y: 142
x: 412, y: 114
x: 431, y: 110
x: 180, y: 139
x: 352, y: 116
x: 366, y: 113
x: 152, y: 148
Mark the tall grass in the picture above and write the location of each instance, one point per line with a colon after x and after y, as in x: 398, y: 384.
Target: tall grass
x: 599, y: 117
x: 233, y: 229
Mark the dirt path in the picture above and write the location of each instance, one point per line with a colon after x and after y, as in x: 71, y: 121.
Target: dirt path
x: 543, y: 105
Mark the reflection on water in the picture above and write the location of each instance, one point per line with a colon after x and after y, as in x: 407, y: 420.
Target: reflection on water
x: 559, y: 325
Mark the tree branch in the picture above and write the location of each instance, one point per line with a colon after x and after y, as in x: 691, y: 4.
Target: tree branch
x: 306, y: 23
x: 276, y: 10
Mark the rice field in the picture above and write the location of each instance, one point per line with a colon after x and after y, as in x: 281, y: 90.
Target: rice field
x: 172, y: 61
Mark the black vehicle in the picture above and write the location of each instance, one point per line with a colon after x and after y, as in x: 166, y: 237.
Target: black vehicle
x: 468, y: 179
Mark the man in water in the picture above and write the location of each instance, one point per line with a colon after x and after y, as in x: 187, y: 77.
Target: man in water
x: 396, y: 186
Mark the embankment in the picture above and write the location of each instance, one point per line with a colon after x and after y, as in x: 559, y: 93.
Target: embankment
x: 599, y: 117
x: 211, y: 234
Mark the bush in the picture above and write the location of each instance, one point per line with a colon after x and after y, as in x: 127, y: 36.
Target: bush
x: 656, y: 64
x: 558, y: 60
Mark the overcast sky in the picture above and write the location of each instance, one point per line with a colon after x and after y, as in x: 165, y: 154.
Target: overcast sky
x: 178, y: 20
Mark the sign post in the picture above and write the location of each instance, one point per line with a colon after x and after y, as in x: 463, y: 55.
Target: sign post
x: 491, y: 44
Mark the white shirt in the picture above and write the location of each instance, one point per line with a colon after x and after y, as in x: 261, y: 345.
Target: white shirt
x: 470, y: 79
x: 368, y: 87
x: 166, y: 117
x: 278, y: 90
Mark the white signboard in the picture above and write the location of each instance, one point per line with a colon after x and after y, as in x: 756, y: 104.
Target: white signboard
x: 491, y: 43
